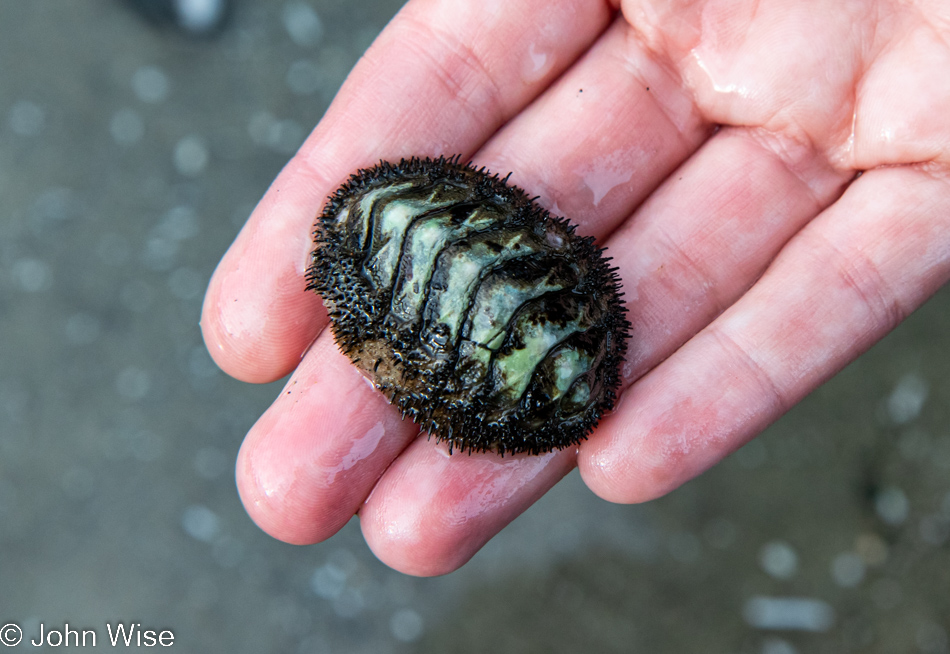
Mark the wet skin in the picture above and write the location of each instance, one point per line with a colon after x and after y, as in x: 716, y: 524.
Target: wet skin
x: 714, y: 147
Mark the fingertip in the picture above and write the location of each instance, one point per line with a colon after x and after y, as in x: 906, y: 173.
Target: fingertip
x: 256, y: 334
x: 617, y: 466
x: 280, y: 484
x: 263, y: 489
x: 406, y: 542
x: 258, y: 316
x: 310, y: 461
x: 403, y: 519
x: 432, y: 512
x: 612, y: 479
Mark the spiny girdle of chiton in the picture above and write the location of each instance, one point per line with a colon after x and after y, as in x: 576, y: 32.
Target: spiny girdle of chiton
x: 479, y: 314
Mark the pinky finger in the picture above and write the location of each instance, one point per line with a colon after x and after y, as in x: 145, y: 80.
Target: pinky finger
x: 840, y: 285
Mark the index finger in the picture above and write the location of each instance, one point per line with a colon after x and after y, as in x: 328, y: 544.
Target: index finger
x: 440, y: 79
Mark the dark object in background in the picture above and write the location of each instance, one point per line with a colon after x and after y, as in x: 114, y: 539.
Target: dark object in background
x: 200, y: 18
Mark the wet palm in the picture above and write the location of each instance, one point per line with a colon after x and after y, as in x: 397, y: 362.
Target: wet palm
x: 714, y: 147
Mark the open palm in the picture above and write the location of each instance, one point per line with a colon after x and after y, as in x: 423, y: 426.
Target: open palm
x: 770, y: 177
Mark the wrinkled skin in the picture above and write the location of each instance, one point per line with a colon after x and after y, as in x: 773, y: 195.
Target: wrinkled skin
x: 713, y: 146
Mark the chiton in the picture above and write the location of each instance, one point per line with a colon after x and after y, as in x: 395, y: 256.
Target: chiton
x: 480, y: 315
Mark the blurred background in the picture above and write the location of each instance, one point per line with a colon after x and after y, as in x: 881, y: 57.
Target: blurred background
x: 130, y: 156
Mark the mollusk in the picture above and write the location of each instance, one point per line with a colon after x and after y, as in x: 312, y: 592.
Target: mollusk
x: 487, y: 320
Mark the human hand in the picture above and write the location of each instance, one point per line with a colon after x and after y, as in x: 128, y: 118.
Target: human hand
x: 756, y: 261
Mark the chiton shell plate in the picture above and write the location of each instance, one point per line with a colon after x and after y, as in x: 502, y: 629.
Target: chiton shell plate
x: 480, y: 315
